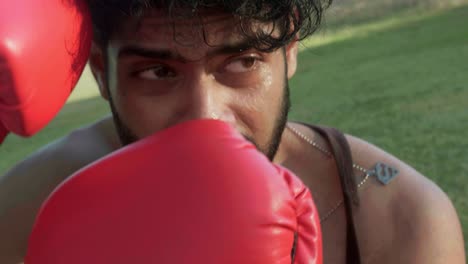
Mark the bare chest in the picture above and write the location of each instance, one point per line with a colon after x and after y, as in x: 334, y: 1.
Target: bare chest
x: 326, y: 191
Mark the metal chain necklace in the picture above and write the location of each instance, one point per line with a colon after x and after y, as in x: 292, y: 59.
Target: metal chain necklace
x: 329, y: 154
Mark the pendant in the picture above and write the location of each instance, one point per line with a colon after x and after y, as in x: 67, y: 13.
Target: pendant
x: 385, y: 173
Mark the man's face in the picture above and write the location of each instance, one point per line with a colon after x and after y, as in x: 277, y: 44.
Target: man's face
x: 160, y: 73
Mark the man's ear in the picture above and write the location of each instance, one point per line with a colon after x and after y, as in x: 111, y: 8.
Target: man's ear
x: 96, y: 63
x: 291, y: 57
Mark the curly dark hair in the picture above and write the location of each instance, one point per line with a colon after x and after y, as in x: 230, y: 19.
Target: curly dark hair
x: 290, y: 18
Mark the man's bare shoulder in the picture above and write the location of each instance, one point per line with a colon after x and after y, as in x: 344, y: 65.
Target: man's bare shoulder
x: 419, y: 219
x: 26, y: 185
x: 80, y: 147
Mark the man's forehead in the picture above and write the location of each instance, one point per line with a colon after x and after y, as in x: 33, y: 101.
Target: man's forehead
x: 213, y: 28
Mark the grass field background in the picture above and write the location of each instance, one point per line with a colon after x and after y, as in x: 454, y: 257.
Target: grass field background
x: 398, y: 80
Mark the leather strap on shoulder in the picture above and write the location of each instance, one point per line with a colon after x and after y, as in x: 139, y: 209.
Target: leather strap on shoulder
x: 342, y: 154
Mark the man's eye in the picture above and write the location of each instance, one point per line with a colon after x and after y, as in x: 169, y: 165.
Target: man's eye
x: 157, y: 73
x: 241, y: 65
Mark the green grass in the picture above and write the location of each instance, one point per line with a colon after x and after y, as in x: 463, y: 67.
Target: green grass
x: 352, y: 12
x: 399, y: 82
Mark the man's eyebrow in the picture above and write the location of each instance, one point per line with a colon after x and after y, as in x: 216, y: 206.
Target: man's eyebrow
x: 166, y: 54
x: 137, y: 51
x: 231, y: 49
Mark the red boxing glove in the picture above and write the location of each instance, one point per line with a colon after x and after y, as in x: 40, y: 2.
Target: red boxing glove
x: 44, y: 46
x: 194, y: 193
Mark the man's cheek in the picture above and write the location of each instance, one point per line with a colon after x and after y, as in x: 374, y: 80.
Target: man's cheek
x: 249, y: 102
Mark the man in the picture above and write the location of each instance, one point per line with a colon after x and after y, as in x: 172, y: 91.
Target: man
x: 159, y: 63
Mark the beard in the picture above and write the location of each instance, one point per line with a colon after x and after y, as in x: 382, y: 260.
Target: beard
x: 279, y: 125
x: 127, y: 137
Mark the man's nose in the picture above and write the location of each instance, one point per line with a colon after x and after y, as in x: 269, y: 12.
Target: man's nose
x: 208, y: 100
